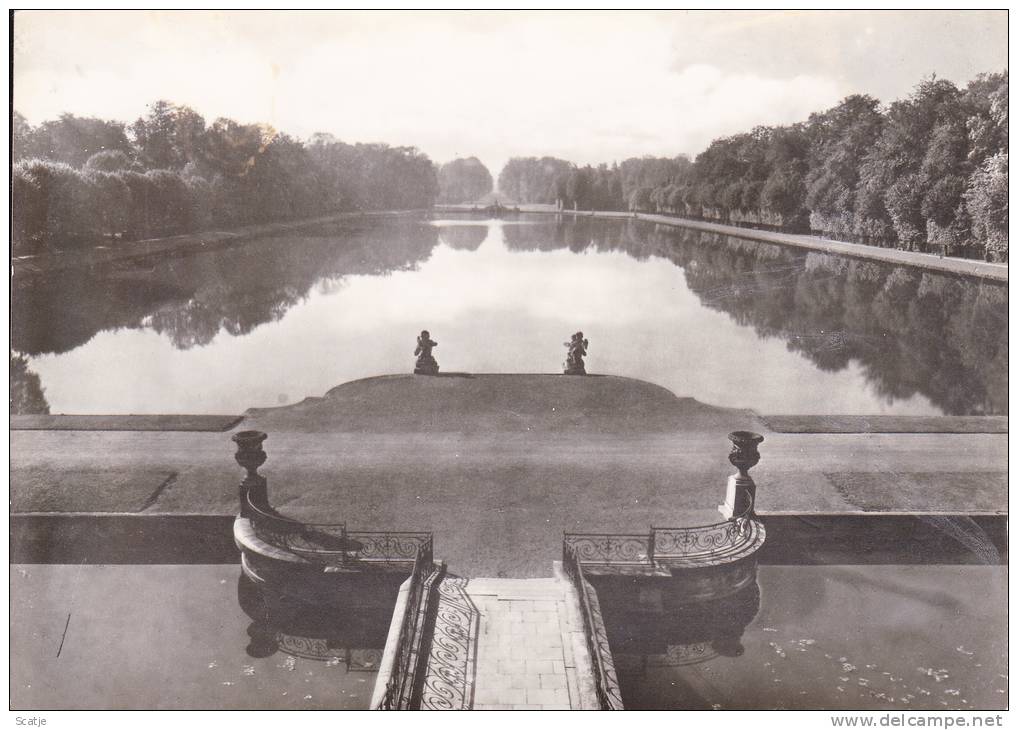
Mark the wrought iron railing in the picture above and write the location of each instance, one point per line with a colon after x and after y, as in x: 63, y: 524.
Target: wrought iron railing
x: 606, y: 683
x: 302, y: 538
x: 408, y: 662
x: 388, y: 547
x: 702, y: 540
x: 333, y: 544
x: 662, y: 544
x: 612, y: 549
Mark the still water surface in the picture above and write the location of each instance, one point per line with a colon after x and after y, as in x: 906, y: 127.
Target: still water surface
x: 162, y: 637
x: 839, y: 637
x: 724, y: 320
x: 877, y: 637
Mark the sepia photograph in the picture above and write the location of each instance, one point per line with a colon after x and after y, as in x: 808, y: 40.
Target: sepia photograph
x: 510, y: 360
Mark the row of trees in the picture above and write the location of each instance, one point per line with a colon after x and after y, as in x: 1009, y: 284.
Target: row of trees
x: 549, y: 180
x: 929, y: 172
x: 79, y: 180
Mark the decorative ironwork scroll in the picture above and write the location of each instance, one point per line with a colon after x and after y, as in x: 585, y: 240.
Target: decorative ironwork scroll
x: 702, y: 540
x: 670, y: 547
x: 611, y: 549
x: 448, y: 680
x: 401, y: 689
x: 387, y: 547
x: 322, y: 649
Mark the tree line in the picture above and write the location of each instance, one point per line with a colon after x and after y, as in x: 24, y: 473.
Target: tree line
x: 926, y: 173
x: 549, y: 180
x: 80, y: 180
x: 464, y: 180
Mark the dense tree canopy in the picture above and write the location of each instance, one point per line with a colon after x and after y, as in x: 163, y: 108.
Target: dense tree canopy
x: 27, y: 395
x: 550, y: 180
x: 76, y: 181
x: 69, y: 139
x: 463, y: 181
x: 532, y: 180
x: 928, y: 173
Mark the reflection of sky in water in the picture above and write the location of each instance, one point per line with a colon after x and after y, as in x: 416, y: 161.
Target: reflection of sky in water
x: 177, y: 638
x: 491, y: 310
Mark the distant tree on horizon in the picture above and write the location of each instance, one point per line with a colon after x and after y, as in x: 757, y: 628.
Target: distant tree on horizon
x: 26, y: 395
x: 463, y: 180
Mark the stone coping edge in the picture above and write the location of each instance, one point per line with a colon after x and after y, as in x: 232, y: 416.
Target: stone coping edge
x: 808, y: 424
x: 386, y: 665
x: 585, y: 681
x: 132, y: 422
x: 784, y: 423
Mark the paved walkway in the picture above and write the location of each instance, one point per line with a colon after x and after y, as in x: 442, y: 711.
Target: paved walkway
x: 503, y: 644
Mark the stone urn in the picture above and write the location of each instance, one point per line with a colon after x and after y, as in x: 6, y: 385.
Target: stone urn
x: 744, y: 455
x: 250, y: 456
x: 740, y: 498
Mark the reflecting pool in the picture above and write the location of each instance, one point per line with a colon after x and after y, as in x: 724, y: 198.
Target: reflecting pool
x: 839, y: 637
x: 725, y: 320
x: 191, y: 637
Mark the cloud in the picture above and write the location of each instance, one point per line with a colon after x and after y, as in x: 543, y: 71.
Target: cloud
x: 589, y: 87
x: 883, y: 53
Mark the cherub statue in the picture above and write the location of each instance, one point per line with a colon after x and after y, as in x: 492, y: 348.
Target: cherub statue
x: 577, y: 351
x: 426, y: 364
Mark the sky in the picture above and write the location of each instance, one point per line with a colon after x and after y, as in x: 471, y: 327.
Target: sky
x: 586, y: 86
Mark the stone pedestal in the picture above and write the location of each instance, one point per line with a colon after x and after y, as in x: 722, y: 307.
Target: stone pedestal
x: 426, y: 366
x: 739, y: 497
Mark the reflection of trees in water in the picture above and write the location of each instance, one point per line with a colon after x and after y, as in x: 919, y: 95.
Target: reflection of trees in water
x: 191, y: 299
x: 912, y: 332
x: 27, y: 394
x: 465, y: 238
